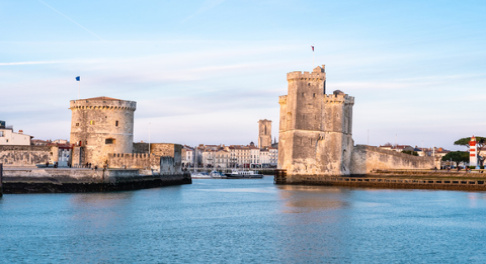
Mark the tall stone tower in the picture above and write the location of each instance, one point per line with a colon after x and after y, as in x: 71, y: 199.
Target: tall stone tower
x: 315, y: 136
x: 100, y: 126
x: 264, y: 133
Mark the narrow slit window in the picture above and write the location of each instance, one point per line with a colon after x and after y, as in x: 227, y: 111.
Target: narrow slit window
x: 116, y: 123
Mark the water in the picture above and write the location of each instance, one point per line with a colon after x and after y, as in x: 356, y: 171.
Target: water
x: 245, y: 221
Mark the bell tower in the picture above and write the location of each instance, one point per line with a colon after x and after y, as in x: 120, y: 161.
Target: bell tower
x: 264, y: 133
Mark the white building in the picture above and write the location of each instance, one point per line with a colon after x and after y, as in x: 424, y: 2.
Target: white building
x: 187, y: 157
x: 9, y: 137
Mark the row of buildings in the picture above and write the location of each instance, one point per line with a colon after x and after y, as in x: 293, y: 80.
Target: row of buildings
x: 264, y: 155
x: 233, y: 156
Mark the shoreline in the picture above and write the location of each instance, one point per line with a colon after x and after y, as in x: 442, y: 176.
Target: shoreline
x: 62, y: 180
x: 430, y: 180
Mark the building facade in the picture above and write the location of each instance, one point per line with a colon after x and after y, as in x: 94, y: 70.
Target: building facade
x: 10, y: 138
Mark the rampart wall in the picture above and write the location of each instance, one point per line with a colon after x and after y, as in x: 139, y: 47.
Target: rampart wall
x: 133, y: 161
x: 21, y: 156
x: 162, y: 150
x: 365, y: 159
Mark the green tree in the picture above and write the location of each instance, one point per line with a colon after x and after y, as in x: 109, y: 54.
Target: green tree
x: 409, y: 152
x: 457, y: 156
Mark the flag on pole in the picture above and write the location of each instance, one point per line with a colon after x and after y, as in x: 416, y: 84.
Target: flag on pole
x: 78, y: 78
x: 312, y: 48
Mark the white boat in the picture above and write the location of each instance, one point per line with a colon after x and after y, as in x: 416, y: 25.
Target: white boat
x: 217, y: 174
x: 243, y: 174
x: 201, y: 175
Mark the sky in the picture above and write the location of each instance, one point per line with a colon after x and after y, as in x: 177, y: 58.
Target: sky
x: 205, y: 72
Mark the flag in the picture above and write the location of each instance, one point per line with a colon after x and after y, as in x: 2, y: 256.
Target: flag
x: 312, y: 48
x: 78, y: 78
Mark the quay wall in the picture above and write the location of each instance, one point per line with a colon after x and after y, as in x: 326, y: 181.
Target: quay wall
x: 48, y: 180
x: 400, y: 179
x: 465, y: 184
x: 25, y: 156
x: 365, y: 159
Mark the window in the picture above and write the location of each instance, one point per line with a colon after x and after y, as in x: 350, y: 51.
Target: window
x: 91, y: 122
x: 109, y: 141
x: 77, y: 124
x: 1, y: 133
x: 116, y: 123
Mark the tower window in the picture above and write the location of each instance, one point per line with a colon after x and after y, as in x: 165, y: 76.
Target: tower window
x: 92, y: 122
x: 109, y: 141
x: 77, y: 124
x: 116, y: 123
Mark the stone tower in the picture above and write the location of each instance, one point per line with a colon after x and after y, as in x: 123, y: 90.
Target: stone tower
x: 315, y: 136
x: 100, y: 126
x: 264, y: 133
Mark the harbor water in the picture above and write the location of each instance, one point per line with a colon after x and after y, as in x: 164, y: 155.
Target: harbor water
x: 245, y: 221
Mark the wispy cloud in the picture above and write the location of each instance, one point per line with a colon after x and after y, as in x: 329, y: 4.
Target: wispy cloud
x: 206, y: 6
x: 28, y: 63
x: 70, y: 19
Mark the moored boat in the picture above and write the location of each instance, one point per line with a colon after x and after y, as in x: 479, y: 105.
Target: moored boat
x: 243, y: 174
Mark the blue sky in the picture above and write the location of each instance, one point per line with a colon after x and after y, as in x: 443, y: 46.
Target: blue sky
x: 207, y: 71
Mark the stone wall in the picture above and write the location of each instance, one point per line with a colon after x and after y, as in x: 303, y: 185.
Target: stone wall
x: 133, y: 161
x: 52, y: 180
x: 168, y: 166
x: 162, y: 150
x: 19, y: 156
x: 365, y: 159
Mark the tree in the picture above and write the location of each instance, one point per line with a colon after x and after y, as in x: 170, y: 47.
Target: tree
x: 480, y: 143
x: 457, y: 156
x: 409, y: 152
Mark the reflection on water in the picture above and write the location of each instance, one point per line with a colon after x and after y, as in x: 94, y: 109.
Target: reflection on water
x: 100, y: 199
x: 245, y: 221
x: 98, y: 210
x: 304, y: 199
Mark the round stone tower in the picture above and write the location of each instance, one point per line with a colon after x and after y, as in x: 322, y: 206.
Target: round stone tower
x: 100, y: 126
